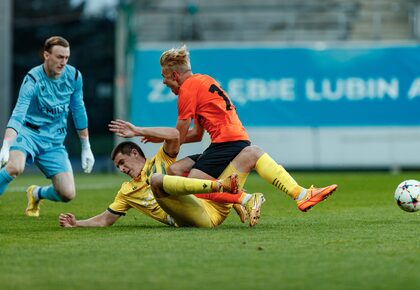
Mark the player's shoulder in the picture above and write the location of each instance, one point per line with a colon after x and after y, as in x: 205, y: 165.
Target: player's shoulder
x: 162, y: 154
x: 35, y: 73
x: 71, y: 72
x: 199, y: 81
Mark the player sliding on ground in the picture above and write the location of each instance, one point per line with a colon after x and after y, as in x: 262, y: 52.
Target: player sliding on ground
x: 249, y: 158
x: 186, y: 210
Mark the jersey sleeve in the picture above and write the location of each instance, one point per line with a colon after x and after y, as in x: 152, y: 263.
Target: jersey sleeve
x: 120, y: 206
x: 77, y: 105
x: 26, y: 94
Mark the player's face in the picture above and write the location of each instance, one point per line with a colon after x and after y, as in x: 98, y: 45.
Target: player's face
x: 170, y: 79
x: 128, y: 164
x: 56, y: 60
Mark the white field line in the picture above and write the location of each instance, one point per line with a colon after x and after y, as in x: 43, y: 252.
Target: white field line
x: 78, y: 187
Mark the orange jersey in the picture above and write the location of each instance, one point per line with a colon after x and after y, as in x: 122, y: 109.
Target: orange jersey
x: 201, y: 98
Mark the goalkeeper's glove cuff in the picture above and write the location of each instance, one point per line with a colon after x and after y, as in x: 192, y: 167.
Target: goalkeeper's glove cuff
x: 85, y: 143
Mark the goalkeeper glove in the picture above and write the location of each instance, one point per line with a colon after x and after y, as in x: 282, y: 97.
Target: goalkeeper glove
x: 87, y: 156
x: 4, y: 152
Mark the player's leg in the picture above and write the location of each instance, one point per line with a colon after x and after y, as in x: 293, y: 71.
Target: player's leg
x: 214, y: 163
x: 183, y: 166
x: 14, y: 167
x: 22, y: 150
x: 223, y: 197
x: 253, y: 157
x: 275, y: 174
x: 250, y: 202
x: 64, y: 185
x: 186, y: 210
x: 178, y: 185
x: 56, y: 166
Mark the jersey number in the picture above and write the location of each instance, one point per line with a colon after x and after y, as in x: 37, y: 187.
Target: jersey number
x: 213, y: 88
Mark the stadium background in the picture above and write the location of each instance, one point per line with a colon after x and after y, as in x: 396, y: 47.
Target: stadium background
x: 319, y: 84
x: 274, y: 55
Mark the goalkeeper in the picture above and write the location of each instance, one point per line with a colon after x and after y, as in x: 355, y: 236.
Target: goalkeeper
x: 38, y: 126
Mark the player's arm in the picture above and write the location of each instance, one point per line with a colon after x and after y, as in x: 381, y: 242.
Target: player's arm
x: 87, y: 158
x: 195, y: 134
x: 26, y: 93
x: 80, y: 119
x: 105, y: 219
x: 169, y: 135
x: 9, y: 137
x: 185, y: 134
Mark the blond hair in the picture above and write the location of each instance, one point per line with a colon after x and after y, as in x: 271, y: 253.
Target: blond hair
x: 55, y: 40
x: 176, y: 59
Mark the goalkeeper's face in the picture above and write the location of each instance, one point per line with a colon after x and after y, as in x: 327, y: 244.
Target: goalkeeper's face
x: 56, y: 60
x: 129, y: 164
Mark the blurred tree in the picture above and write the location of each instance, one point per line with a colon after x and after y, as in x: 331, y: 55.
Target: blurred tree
x: 92, y: 52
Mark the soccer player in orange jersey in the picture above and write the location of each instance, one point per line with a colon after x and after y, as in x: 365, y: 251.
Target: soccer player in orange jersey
x: 201, y: 98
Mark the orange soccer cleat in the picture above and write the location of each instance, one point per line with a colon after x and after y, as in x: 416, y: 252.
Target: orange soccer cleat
x: 314, y: 196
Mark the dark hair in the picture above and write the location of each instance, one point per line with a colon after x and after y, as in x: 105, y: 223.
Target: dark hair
x: 125, y: 148
x: 55, y: 40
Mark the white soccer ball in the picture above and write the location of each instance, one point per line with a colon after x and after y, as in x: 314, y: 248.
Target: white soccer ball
x: 407, y: 195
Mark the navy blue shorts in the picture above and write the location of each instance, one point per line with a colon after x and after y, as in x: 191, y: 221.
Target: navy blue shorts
x: 218, y: 156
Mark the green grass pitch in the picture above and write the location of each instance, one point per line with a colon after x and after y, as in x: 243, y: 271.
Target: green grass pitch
x: 357, y: 239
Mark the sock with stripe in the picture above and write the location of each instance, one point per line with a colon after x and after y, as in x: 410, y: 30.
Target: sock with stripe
x: 178, y: 185
x: 276, y: 175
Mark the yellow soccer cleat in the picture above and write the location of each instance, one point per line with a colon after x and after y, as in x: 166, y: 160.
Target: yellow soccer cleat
x: 33, y: 205
x: 253, y: 207
x: 241, y: 211
x: 314, y: 196
x: 229, y: 184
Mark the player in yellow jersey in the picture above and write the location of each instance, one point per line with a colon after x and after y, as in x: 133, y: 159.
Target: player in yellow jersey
x: 172, y: 210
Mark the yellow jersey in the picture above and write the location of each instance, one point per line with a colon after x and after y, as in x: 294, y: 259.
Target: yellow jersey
x: 137, y: 193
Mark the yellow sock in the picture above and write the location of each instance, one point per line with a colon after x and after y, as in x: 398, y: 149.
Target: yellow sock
x: 177, y: 185
x: 275, y: 174
x: 230, y: 169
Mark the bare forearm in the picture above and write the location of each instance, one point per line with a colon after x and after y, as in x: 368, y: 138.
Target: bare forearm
x: 192, y: 137
x: 10, y: 134
x: 83, y: 133
x: 92, y: 222
x: 101, y: 220
x: 164, y: 133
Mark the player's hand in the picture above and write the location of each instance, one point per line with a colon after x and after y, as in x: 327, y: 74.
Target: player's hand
x: 122, y: 128
x: 87, y: 156
x: 87, y: 160
x: 67, y: 220
x: 4, y: 153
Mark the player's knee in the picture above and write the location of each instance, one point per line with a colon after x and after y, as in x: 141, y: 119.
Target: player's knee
x: 14, y: 169
x: 156, y: 183
x: 252, y: 152
x: 66, y: 195
x: 175, y: 169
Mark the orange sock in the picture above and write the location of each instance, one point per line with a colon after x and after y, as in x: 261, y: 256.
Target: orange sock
x: 222, y: 197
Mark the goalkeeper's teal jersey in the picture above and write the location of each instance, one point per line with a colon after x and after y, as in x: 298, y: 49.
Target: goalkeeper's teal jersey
x: 43, y: 104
